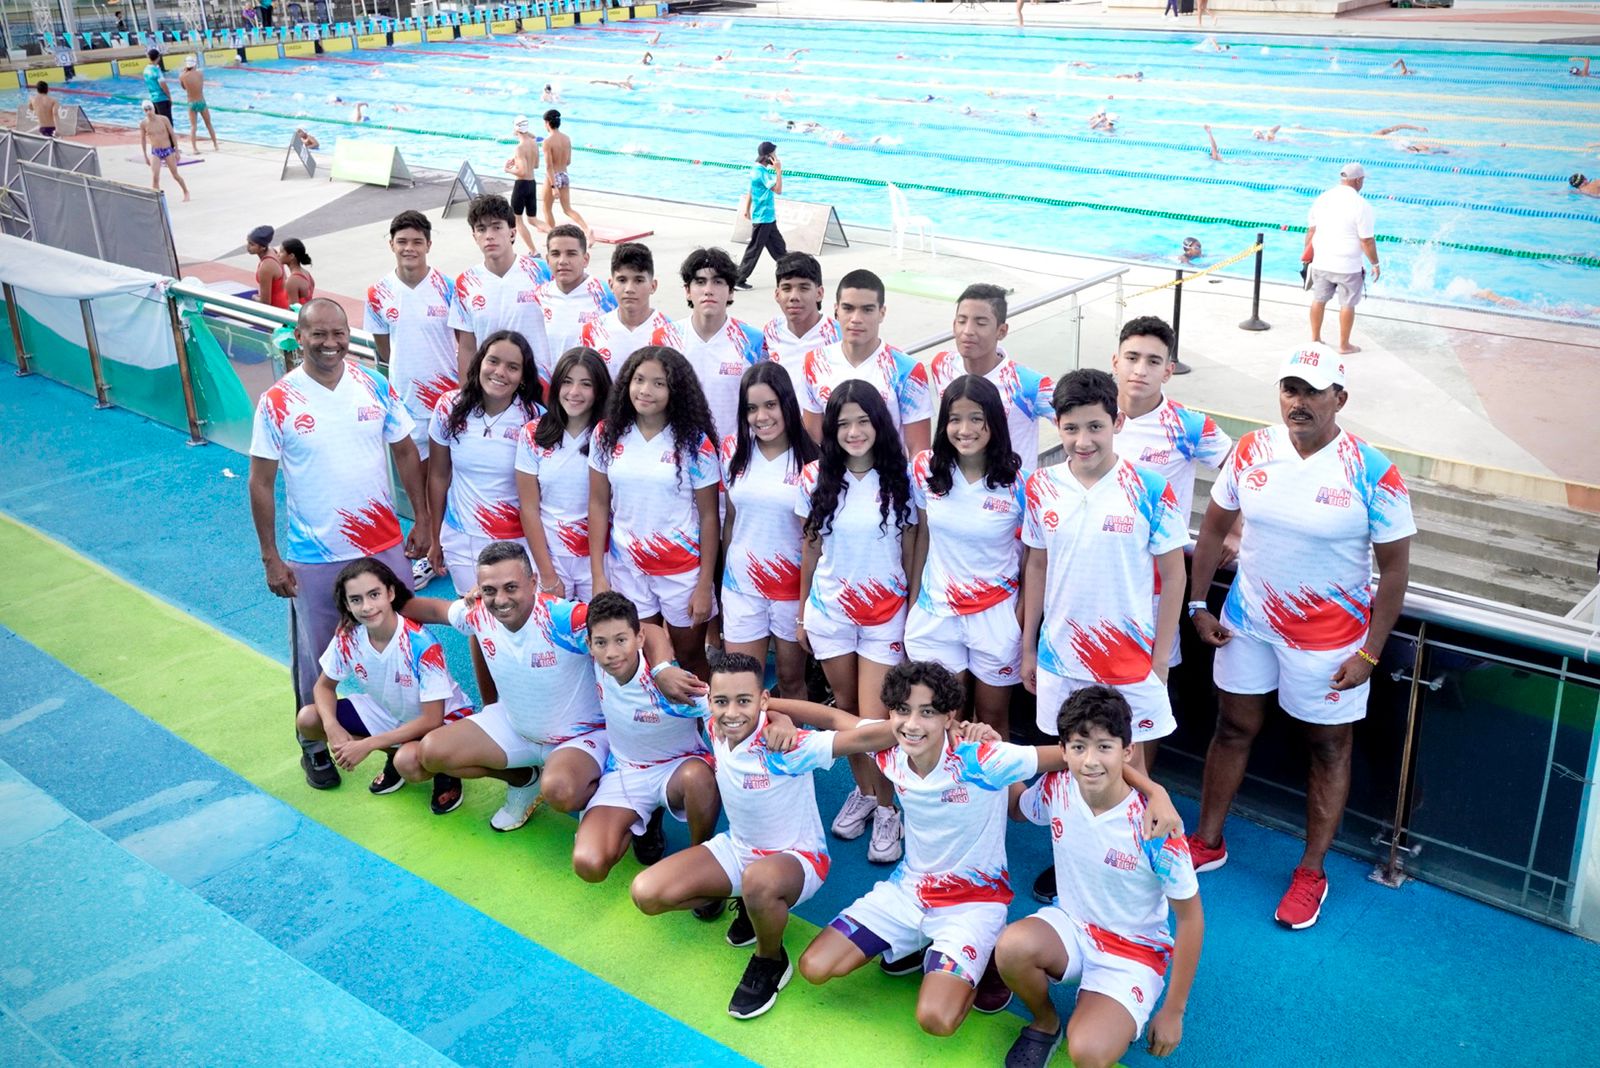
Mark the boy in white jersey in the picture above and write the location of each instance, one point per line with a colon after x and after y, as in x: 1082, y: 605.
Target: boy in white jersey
x: 861, y: 353
x: 629, y: 326
x: 502, y: 293
x: 1108, y: 932
x: 773, y: 856
x: 979, y: 327
x: 799, y: 325
x: 658, y: 758
x: 951, y: 891
x: 572, y: 298
x: 718, y: 346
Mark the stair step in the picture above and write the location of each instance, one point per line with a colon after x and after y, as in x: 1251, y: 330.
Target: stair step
x: 1495, y: 581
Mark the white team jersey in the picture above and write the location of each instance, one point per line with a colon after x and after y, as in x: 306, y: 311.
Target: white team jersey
x: 542, y: 670
x: 407, y: 672
x: 1024, y: 392
x: 974, y: 542
x: 769, y: 798
x: 719, y: 363
x: 486, y: 302
x: 566, y: 314
x: 955, y: 820
x: 332, y: 447
x: 901, y: 381
x: 1305, y: 563
x: 563, y: 474
x: 861, y: 574
x: 615, y: 342
x: 1109, y: 877
x: 790, y: 351
x: 482, y: 499
x: 1169, y: 440
x: 642, y: 725
x: 763, y: 558
x: 1099, y: 619
x: 422, y: 347
x: 655, y: 526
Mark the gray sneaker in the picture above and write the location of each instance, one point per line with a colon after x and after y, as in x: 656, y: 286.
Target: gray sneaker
x: 885, y: 847
x: 853, y: 816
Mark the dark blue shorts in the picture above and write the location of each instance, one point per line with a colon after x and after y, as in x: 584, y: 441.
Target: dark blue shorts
x: 350, y: 719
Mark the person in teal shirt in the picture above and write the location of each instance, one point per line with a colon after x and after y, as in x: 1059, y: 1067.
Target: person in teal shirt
x: 155, y: 84
x: 766, y: 181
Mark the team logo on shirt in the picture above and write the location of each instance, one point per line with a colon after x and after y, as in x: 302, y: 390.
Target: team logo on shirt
x: 1138, y: 995
x: 402, y: 679
x: 368, y: 412
x: 1122, y: 861
x: 1051, y: 520
x: 1056, y: 829
x: 1007, y: 669
x: 304, y: 423
x: 996, y: 504
x: 956, y: 795
x: 646, y: 715
x: 546, y: 659
x: 361, y: 673
x: 528, y: 296
x: 757, y: 782
x: 1256, y: 479
x: 1118, y: 524
x: 616, y: 451
x: 487, y: 646
x: 478, y: 302
x: 1332, y: 697
x: 435, y: 311
x: 969, y: 952
x: 1147, y: 724
x: 393, y: 314
x: 1334, y: 495
x: 731, y: 367
x: 1156, y: 456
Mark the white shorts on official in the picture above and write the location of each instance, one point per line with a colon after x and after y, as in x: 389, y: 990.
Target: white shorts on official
x: 461, y: 554
x: 642, y: 789
x: 1133, y: 984
x: 577, y: 580
x: 1151, y: 704
x: 735, y: 858
x: 1302, y: 678
x: 965, y: 933
x: 987, y: 643
x: 664, y: 595
x: 523, y: 752
x: 752, y: 619
x: 835, y: 635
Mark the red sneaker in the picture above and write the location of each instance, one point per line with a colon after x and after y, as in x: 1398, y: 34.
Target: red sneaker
x: 1205, y: 857
x: 1302, y: 902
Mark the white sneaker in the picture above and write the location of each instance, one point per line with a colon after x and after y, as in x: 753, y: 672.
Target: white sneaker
x: 853, y: 815
x: 422, y: 573
x: 520, y: 804
x: 885, y: 847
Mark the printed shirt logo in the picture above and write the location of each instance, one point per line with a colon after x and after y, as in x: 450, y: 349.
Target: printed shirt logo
x: 646, y: 715
x: 393, y: 314
x: 487, y: 646
x: 479, y: 302
x: 368, y: 412
x: 1332, y: 697
x: 996, y: 504
x: 969, y: 952
x: 528, y: 296
x: 435, y: 311
x: 1122, y: 861
x: 401, y: 678
x: 755, y: 781
x: 1051, y: 520
x: 1138, y: 995
x: 1337, y: 497
x: 1256, y: 479
x: 546, y: 659
x: 361, y: 673
x: 1155, y: 456
x: 1056, y: 829
x: 304, y: 423
x: 956, y: 795
x: 1118, y: 524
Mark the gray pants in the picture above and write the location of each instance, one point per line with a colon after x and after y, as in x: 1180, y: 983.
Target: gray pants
x: 316, y: 616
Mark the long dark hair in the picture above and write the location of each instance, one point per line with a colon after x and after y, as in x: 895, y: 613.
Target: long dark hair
x: 470, y: 397
x: 1000, y: 461
x: 367, y: 565
x: 688, y: 417
x: 888, y: 459
x: 553, y: 424
x: 802, y: 450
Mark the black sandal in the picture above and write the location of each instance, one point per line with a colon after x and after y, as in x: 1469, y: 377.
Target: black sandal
x: 388, y: 780
x: 447, y: 794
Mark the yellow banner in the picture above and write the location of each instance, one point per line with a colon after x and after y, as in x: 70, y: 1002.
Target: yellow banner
x: 131, y: 68
x: 618, y: 14
x: 222, y: 57
x: 255, y: 52
x: 44, y: 74
x: 474, y: 29
x: 589, y: 18
x: 644, y: 11
x: 564, y: 19
x: 534, y: 24
x: 407, y: 37
x: 441, y: 33
x: 338, y: 44
x: 95, y: 70
x: 373, y: 40
x: 504, y: 26
x: 298, y: 49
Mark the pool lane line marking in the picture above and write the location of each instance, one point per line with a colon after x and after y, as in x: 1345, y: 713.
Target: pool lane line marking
x: 230, y: 702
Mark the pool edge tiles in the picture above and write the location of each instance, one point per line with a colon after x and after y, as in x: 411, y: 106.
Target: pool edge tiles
x: 228, y: 706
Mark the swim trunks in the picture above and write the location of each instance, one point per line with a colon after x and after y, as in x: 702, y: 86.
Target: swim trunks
x: 47, y: 131
x: 524, y: 199
x: 197, y: 106
x: 163, y: 153
x: 559, y: 180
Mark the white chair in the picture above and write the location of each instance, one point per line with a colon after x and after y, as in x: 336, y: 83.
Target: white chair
x: 902, y: 222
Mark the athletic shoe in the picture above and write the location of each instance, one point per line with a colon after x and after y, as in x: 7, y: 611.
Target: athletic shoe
x: 741, y: 284
x: 521, y: 801
x: 1207, y: 857
x: 1033, y: 1049
x: 1302, y: 903
x: 1044, y: 887
x: 741, y: 932
x: 885, y: 847
x: 711, y: 910
x: 388, y: 780
x: 321, y: 774
x: 651, y: 846
x: 992, y: 994
x: 763, y: 978
x: 906, y: 965
x: 422, y: 573
x: 1180, y: 368
x: 447, y: 794
x: 853, y: 815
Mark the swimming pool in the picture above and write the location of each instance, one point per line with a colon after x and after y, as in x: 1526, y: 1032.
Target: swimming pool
x: 1002, y: 150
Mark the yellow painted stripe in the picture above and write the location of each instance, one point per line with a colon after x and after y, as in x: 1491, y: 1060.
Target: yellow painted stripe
x: 337, y: 44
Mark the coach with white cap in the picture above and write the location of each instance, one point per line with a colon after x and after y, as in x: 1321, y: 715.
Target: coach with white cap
x: 1339, y: 231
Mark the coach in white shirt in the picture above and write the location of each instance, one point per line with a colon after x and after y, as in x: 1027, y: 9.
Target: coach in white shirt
x: 1339, y: 231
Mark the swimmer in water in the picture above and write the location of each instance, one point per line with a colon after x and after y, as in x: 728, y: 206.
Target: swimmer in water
x: 1400, y: 65
x: 359, y: 115
x: 1216, y: 154
x: 1268, y: 134
x: 655, y: 39
x: 797, y: 53
x: 1032, y: 115
x: 1582, y: 183
x: 528, y: 40
x: 626, y: 83
x: 1580, y: 72
x: 1103, y: 120
x: 1191, y: 250
x: 1136, y: 76
x: 549, y: 96
x: 647, y: 60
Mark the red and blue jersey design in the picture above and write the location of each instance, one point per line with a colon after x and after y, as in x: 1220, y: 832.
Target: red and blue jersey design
x: 397, y: 679
x: 655, y: 525
x: 901, y: 381
x: 974, y: 542
x: 563, y: 474
x: 422, y: 347
x: 769, y: 798
x: 615, y: 342
x: 1170, y: 440
x: 645, y: 727
x: 763, y: 558
x: 486, y: 302
x: 566, y: 314
x: 860, y: 574
x: 482, y: 499
x: 1025, y: 392
x: 719, y: 362
x: 542, y: 669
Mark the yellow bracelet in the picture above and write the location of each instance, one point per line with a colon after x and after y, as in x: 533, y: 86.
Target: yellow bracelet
x: 1368, y: 657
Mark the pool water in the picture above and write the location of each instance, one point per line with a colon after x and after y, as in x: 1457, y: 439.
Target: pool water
x: 1003, y: 152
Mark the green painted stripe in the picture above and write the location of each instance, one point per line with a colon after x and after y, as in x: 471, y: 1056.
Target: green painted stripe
x: 230, y: 702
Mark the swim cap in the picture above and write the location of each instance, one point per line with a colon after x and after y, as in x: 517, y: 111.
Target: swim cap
x: 521, y: 125
x: 261, y: 235
x: 192, y: 61
x: 1576, y: 180
x: 148, y: 106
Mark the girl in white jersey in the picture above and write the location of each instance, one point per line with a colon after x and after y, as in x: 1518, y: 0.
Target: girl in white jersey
x: 761, y: 534
x: 856, y: 501
x: 553, y: 473
x: 967, y: 558
x: 401, y: 687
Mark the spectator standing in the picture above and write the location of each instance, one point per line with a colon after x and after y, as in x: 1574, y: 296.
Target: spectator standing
x: 1339, y: 231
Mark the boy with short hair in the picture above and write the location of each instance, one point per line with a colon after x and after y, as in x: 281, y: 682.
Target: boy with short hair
x: 502, y: 293
x: 43, y: 106
x: 799, y: 325
x: 979, y: 327
x: 159, y: 143
x: 629, y: 326
x: 1109, y: 930
x: 572, y: 298
x: 719, y: 347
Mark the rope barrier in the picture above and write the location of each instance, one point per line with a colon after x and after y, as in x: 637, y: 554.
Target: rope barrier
x: 1229, y: 262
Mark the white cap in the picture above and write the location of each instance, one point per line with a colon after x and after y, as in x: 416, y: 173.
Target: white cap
x: 1352, y: 170
x: 192, y: 61
x: 1314, y: 365
x: 521, y: 125
x: 148, y: 106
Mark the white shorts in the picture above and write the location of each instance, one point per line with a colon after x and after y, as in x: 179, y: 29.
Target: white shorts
x: 667, y: 595
x: 523, y: 752
x: 1100, y: 967
x: 834, y: 635
x: 965, y: 934
x: 419, y: 432
x: 575, y: 576
x: 752, y: 619
x: 1301, y: 677
x: 642, y: 789
x: 735, y: 858
x: 1151, y: 704
x: 987, y: 643
x: 461, y: 554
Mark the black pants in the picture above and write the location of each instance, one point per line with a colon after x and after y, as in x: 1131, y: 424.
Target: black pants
x: 266, y: 17
x: 164, y: 107
x: 762, y: 236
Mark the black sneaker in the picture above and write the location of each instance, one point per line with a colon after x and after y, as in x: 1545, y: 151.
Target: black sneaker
x: 651, y: 846
x: 741, y: 932
x: 763, y: 978
x: 741, y: 284
x: 906, y: 965
x: 1044, y: 887
x: 711, y: 910
x: 388, y: 780
x: 321, y: 774
x: 447, y: 794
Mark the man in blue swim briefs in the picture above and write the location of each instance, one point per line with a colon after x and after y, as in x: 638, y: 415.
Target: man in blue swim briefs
x: 159, y: 144
x: 557, y: 158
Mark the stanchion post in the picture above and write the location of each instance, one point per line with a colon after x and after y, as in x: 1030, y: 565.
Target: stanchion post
x: 180, y: 345
x: 1255, y: 322
x: 93, y: 343
x: 14, y: 316
x: 1177, y: 312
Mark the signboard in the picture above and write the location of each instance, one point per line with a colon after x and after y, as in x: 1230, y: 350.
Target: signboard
x: 564, y: 19
x: 407, y: 37
x: 298, y: 49
x: 618, y: 14
x: 252, y: 53
x: 131, y: 68
x: 503, y: 26
x: 221, y: 57
x: 372, y: 40
x: 370, y: 163
x: 298, y: 150
x: 466, y: 188
x: 805, y: 226
x: 337, y: 44
x: 95, y: 70
x: 474, y: 29
x: 45, y: 74
x: 72, y: 121
x: 645, y: 11
x: 440, y: 33
x: 535, y: 24
x: 589, y: 18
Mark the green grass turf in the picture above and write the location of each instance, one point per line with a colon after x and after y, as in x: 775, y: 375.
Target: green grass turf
x: 232, y: 703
